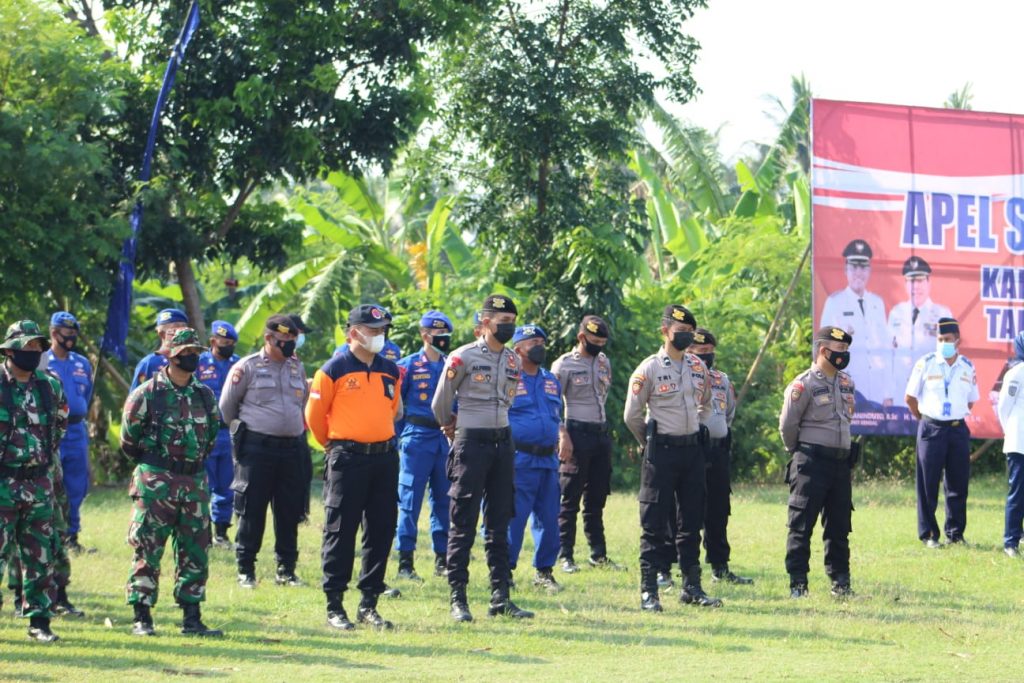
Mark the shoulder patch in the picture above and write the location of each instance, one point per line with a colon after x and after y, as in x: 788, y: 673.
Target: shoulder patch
x: 796, y: 389
x: 637, y: 383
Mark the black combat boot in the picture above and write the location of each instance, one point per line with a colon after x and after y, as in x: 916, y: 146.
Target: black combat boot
x: 336, y: 616
x: 569, y: 565
x: 721, y: 572
x: 368, y: 614
x: 649, y: 600
x: 798, y: 586
x: 39, y: 629
x: 440, y: 564
x: 19, y: 602
x: 63, y: 606
x: 841, y: 586
x: 247, y: 576
x: 502, y: 604
x: 220, y: 535
x: 460, y: 605
x: 665, y: 581
x: 192, y: 624
x: 405, y: 566
x: 693, y: 593
x: 143, y: 624
x: 546, y: 579
x: 286, y: 576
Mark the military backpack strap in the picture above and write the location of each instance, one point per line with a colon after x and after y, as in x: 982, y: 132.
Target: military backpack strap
x: 8, y: 400
x: 157, y: 408
x: 48, y: 399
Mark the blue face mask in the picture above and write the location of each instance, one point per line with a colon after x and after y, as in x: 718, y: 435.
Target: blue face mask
x: 300, y: 341
x: 946, y: 349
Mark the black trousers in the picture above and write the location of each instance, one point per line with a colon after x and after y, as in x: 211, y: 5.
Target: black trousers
x: 587, y: 476
x: 671, y: 485
x: 269, y: 471
x: 822, y: 485
x: 480, y: 471
x: 718, y: 472
x: 358, y: 489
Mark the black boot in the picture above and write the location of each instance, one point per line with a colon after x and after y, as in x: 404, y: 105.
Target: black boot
x: 220, y: 535
x: 721, y: 572
x: 63, y: 606
x: 502, y: 604
x: 405, y: 566
x: 841, y: 586
x: 440, y: 564
x: 798, y: 585
x: 193, y: 625
x: 368, y: 614
x: 693, y: 593
x: 286, y: 576
x: 39, y: 629
x: 336, y: 616
x: 75, y: 547
x: 143, y: 624
x: 460, y: 606
x: 19, y: 602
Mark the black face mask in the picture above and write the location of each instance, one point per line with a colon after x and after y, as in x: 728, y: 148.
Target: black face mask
x: 187, y: 362
x: 681, y: 340
x: 67, y: 343
x: 592, y: 349
x: 838, y: 359
x: 504, y: 332
x: 442, y: 342
x: 537, y: 354
x: 708, y: 358
x: 27, y: 360
x: 287, y: 347
x: 225, y: 351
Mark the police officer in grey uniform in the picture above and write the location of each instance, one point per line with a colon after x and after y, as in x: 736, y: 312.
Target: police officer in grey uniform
x: 673, y: 387
x: 483, y: 376
x: 815, y: 428
x: 263, y: 402
x: 585, y: 451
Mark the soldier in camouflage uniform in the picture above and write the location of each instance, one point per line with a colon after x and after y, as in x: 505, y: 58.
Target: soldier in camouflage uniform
x: 169, y: 425
x: 33, y: 418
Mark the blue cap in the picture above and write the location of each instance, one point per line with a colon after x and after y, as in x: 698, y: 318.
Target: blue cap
x: 63, y: 319
x: 171, y: 315
x: 436, y: 320
x: 530, y: 331
x: 222, y: 328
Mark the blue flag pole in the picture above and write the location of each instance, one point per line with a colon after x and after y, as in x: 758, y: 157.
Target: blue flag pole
x: 119, y: 310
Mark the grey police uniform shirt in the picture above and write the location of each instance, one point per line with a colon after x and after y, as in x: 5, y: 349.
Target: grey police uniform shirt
x: 817, y: 410
x: 485, y: 383
x: 585, y: 382
x: 723, y: 405
x: 267, y: 395
x: 674, y: 393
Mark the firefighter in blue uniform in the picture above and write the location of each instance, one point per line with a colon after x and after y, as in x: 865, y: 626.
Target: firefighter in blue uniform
x: 214, y: 366
x: 168, y: 321
x: 535, y: 418
x: 423, y: 447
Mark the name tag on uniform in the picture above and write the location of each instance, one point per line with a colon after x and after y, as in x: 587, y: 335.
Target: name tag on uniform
x: 821, y: 396
x: 550, y: 387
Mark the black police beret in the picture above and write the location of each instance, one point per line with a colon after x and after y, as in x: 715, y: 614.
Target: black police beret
x: 674, y: 313
x: 281, y: 323
x: 703, y: 336
x: 857, y: 251
x: 591, y: 324
x: 829, y: 333
x: 499, y: 303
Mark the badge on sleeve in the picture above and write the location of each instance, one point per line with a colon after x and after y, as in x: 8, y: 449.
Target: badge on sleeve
x: 638, y: 383
x: 1012, y: 390
x: 796, y: 390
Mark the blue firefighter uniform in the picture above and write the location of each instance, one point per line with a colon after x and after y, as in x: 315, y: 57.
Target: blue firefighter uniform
x: 213, y: 372
x: 153, y: 362
x: 535, y: 417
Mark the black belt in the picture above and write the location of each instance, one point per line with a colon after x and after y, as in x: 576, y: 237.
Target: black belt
x: 23, y: 473
x: 493, y: 435
x: 422, y: 422
x: 587, y: 427
x: 257, y: 438
x: 534, y: 450
x: 942, y: 423
x: 75, y: 419
x: 374, y: 448
x: 715, y: 443
x: 673, y: 440
x: 830, y: 452
x: 172, y: 466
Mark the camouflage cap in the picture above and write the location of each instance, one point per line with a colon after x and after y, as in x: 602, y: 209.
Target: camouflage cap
x: 183, y: 340
x: 21, y: 333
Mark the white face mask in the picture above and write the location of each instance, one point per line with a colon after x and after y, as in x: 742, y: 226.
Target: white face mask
x: 300, y: 341
x: 373, y: 344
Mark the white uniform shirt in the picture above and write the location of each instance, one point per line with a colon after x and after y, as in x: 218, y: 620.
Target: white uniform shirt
x: 935, y: 383
x: 911, y: 339
x: 1011, y: 409
x: 871, y: 351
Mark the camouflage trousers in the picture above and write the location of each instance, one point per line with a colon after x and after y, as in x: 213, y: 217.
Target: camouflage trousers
x: 169, y: 505
x: 58, y: 542
x: 26, y: 527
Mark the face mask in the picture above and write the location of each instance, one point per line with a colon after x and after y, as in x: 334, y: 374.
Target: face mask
x: 225, y: 351
x: 946, y: 349
x: 442, y: 342
x: 681, y: 340
x: 187, y: 362
x: 592, y: 349
x: 504, y: 331
x: 27, y: 360
x: 300, y: 341
x: 537, y: 354
x: 68, y: 343
x: 374, y: 344
x: 287, y: 347
x: 838, y: 359
x: 708, y: 358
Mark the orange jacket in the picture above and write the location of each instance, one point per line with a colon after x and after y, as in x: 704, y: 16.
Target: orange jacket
x: 352, y: 402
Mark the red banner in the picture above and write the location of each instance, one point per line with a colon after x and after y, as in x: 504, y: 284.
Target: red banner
x: 917, y: 214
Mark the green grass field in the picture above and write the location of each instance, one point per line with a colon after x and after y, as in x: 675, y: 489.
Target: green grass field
x: 919, y: 615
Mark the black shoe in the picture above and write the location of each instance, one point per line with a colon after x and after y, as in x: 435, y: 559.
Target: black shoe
x: 956, y: 540
x: 63, y: 606
x: 545, y: 579
x: 405, y: 567
x: 841, y: 586
x: 460, y: 606
x: 723, y: 573
x: 220, y: 536
x: 569, y: 566
x: 19, y: 605
x: 286, y: 577
x: 501, y: 604
x: 391, y: 592
x: 337, y: 619
x: 693, y: 594
x: 649, y: 602
x: 143, y: 624
x: 246, y: 579
x: 39, y: 629
x: 603, y: 562
x: 192, y: 623
x: 798, y: 590
x: 75, y: 548
x: 368, y: 614
x: 440, y: 564
x: 665, y: 581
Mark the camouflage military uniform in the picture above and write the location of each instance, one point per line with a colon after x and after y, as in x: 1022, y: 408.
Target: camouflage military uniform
x: 169, y: 431
x: 33, y: 418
